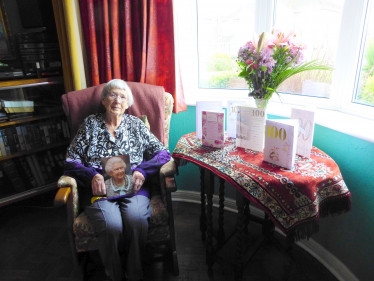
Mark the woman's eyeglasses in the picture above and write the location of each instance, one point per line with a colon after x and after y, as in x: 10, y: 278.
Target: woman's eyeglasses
x: 113, y: 96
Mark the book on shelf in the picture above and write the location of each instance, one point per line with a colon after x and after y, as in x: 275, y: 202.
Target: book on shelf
x: 306, y: 117
x: 16, y: 103
x: 6, y: 187
x: 59, y: 157
x: 39, y: 140
x: 31, y: 136
x: 21, y: 139
x: 34, y: 172
x: 41, y: 166
x: 10, y: 168
x: 18, y: 116
x: 56, y: 169
x: 281, y: 141
x: 12, y: 138
x: 59, y: 132
x: 54, y: 132
x: 28, y: 171
x: 3, y: 117
x: 4, y: 135
x: 213, y: 132
x: 250, y: 130
x: 231, y: 116
x: 48, y: 166
x: 2, y: 145
x: 208, y: 106
x: 44, y: 126
x: 66, y: 129
x: 38, y: 169
x: 27, y: 137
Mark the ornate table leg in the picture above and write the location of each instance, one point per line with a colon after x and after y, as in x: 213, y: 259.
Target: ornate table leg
x: 268, y: 227
x: 221, y: 231
x: 240, y: 203
x: 202, y: 205
x: 209, y: 240
x: 247, y: 214
x: 287, y: 265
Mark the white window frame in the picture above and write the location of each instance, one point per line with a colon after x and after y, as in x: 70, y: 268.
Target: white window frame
x: 339, y: 104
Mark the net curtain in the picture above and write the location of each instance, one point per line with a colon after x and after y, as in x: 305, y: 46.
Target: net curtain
x: 132, y: 40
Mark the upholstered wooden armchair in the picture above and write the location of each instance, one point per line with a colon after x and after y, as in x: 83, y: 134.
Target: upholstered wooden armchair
x: 156, y: 104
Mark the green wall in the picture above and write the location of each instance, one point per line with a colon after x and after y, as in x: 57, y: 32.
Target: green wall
x: 349, y: 236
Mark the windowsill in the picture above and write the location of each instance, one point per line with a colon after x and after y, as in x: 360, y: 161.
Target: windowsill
x: 352, y: 125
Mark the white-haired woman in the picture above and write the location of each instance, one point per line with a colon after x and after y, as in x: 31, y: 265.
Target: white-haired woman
x: 122, y: 224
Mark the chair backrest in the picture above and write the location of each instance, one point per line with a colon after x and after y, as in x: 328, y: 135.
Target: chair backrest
x: 148, y: 100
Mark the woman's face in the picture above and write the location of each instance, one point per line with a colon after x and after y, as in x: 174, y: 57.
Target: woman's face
x: 118, y: 171
x: 116, y: 102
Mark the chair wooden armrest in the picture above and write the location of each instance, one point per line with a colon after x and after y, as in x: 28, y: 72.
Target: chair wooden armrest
x: 62, y: 196
x: 167, y: 172
x: 67, y: 194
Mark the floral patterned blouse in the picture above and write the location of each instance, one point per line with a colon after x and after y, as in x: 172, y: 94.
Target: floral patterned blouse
x: 93, y: 142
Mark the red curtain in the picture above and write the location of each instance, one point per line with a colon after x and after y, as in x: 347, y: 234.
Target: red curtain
x: 133, y: 41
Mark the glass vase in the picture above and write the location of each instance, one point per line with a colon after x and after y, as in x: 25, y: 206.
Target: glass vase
x: 261, y: 103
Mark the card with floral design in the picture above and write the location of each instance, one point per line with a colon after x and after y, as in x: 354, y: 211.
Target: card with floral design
x: 213, y: 128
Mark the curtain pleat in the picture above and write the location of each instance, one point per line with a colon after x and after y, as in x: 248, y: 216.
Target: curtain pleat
x: 133, y: 41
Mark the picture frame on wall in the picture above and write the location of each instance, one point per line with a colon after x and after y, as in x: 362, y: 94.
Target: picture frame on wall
x: 7, y: 47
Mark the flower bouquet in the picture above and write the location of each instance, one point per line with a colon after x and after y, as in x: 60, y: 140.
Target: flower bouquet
x: 271, y: 59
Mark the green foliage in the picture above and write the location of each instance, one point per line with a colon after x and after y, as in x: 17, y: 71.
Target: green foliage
x: 368, y: 91
x: 369, y: 57
x: 367, y: 75
x: 220, y: 62
x: 221, y: 79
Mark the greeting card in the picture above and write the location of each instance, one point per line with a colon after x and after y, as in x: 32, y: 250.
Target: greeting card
x: 213, y: 128
x: 232, y: 111
x: 205, y: 105
x: 281, y: 141
x: 306, y: 130
x: 250, y: 127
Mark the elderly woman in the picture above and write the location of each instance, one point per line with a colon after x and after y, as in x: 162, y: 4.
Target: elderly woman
x: 119, y: 183
x: 122, y: 224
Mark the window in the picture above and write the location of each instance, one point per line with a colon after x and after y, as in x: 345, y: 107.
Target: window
x: 365, y: 79
x: 339, y: 33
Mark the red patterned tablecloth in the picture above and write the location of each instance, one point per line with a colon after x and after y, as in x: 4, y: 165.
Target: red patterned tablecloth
x: 294, y: 199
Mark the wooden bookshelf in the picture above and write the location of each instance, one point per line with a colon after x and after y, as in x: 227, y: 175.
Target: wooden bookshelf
x: 9, y: 194
x: 30, y: 82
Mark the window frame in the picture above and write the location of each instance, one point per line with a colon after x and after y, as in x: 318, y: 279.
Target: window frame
x: 344, y: 78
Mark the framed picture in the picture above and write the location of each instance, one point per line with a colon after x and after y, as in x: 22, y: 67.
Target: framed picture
x: 7, y: 48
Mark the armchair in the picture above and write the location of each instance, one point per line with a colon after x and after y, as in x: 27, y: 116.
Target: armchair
x: 151, y: 103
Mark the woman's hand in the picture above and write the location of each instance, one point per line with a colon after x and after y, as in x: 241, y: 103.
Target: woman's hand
x: 138, y: 180
x: 98, y: 185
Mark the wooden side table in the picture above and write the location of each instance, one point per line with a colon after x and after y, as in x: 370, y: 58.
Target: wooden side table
x: 293, y: 200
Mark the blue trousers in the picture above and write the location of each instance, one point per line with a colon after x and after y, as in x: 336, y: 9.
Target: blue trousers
x: 122, y: 228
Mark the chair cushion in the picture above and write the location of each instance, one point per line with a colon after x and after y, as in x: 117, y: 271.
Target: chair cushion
x: 84, y: 232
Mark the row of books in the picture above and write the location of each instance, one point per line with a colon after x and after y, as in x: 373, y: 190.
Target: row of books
x: 30, y: 171
x: 6, y: 117
x: 33, y: 135
x: 278, y: 139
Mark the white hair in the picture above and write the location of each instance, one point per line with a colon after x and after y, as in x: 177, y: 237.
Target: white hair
x: 118, y: 84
